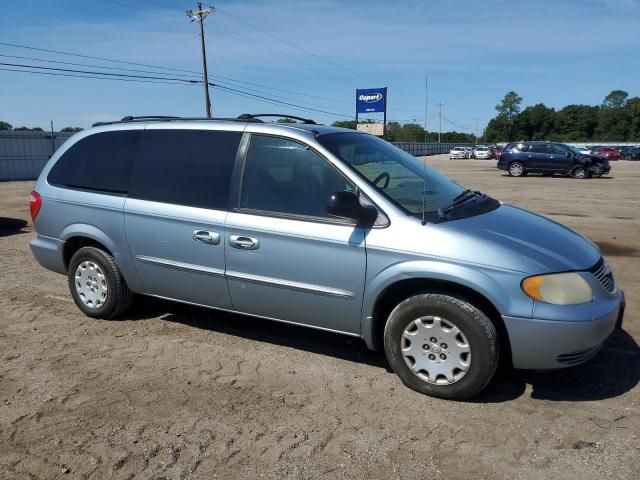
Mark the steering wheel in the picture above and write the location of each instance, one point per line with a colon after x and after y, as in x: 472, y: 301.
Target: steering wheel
x: 384, y: 175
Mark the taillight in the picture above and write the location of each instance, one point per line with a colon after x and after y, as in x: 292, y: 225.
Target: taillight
x: 35, y: 202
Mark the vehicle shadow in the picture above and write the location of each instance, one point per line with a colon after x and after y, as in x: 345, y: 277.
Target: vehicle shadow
x: 11, y: 226
x: 566, y: 177
x: 260, y: 330
x: 613, y: 372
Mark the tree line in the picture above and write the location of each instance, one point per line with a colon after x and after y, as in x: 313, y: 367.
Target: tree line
x: 617, y: 119
x: 8, y: 126
x: 412, y: 132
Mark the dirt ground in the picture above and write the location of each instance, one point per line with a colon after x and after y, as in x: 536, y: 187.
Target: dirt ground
x: 179, y: 392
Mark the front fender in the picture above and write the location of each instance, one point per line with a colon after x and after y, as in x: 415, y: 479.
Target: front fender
x: 500, y: 287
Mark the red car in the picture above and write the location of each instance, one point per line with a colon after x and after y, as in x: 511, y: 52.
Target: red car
x: 610, y: 153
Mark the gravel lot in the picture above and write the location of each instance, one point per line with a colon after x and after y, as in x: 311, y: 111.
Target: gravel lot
x: 179, y: 392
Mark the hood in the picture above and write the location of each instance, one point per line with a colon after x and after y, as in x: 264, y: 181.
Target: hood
x: 516, y: 239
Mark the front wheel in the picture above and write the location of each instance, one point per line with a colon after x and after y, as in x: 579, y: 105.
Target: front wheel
x: 441, y: 346
x: 580, y: 172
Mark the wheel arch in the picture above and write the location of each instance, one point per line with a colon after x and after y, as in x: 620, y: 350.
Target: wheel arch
x: 80, y: 235
x: 397, y: 291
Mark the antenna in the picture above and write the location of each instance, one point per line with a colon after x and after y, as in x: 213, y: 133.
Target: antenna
x: 424, y: 191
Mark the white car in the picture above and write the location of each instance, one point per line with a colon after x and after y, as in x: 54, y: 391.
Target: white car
x: 458, y: 152
x: 482, y: 153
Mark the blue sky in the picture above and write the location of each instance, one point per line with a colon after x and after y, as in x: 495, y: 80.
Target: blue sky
x: 474, y: 51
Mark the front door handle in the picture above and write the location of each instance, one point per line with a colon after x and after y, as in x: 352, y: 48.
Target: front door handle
x: 204, y: 236
x: 244, y: 243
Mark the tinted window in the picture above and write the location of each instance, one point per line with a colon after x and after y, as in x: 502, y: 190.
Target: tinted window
x: 185, y: 167
x: 283, y: 176
x: 539, y: 148
x: 557, y: 150
x: 100, y: 162
x: 517, y: 147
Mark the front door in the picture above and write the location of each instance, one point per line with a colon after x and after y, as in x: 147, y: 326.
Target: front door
x: 176, y: 211
x: 560, y: 159
x: 286, y: 257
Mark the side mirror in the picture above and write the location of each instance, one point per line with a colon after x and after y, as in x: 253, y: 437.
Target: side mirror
x: 346, y: 204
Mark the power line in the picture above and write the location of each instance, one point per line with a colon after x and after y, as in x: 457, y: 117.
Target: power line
x: 99, y: 73
x: 97, y: 58
x: 282, y: 103
x: 94, y: 77
x: 59, y: 62
x: 190, y: 73
x: 293, y: 45
x: 148, y: 79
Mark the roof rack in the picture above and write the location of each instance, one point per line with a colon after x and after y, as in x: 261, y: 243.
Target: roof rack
x: 256, y: 117
x: 245, y: 117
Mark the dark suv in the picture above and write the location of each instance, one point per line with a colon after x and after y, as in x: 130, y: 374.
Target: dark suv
x: 522, y: 158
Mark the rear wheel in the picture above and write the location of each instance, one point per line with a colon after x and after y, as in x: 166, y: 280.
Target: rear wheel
x: 96, y: 284
x: 516, y: 169
x: 441, y: 346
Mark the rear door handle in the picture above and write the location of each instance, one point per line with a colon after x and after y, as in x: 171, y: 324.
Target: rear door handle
x: 244, y: 243
x: 204, y: 236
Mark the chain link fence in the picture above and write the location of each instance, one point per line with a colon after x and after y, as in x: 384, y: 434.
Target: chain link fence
x: 24, y: 154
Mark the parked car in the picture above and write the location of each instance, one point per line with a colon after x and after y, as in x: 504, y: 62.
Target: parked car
x: 322, y: 227
x: 549, y: 158
x: 498, y: 152
x: 582, y: 150
x: 630, y: 153
x: 608, y: 152
x: 482, y: 153
x: 458, y: 153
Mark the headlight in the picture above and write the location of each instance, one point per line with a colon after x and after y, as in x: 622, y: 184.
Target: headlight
x: 558, y: 288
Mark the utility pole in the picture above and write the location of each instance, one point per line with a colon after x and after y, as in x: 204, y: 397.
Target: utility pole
x: 440, y: 119
x: 199, y: 15
x: 477, y: 120
x: 426, y: 105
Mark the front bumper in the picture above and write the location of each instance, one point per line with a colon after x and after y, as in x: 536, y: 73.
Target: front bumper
x: 600, y: 169
x: 551, y: 344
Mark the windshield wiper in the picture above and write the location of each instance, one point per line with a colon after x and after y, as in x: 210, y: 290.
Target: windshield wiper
x: 468, y: 194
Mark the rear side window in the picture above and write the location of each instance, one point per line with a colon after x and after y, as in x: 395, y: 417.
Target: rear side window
x: 539, y: 148
x: 517, y: 147
x: 100, y: 162
x: 185, y: 167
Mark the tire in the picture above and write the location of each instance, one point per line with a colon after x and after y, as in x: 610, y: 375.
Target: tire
x: 93, y: 268
x: 580, y: 172
x: 516, y: 169
x: 458, y: 375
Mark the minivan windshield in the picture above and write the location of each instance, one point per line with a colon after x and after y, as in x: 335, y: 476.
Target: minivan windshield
x: 394, y: 173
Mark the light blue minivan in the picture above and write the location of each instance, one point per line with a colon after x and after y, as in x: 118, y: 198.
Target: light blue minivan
x: 327, y: 228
